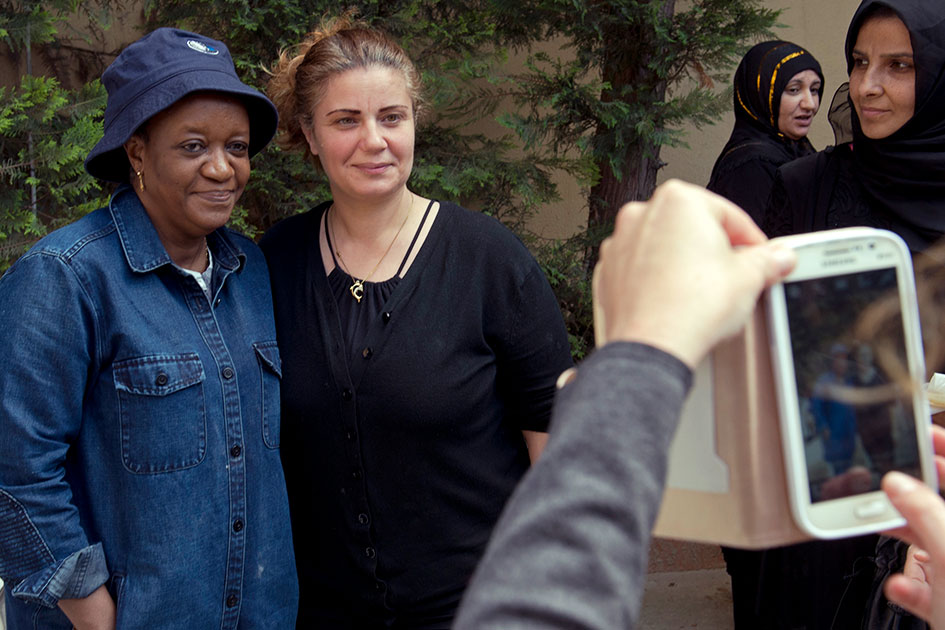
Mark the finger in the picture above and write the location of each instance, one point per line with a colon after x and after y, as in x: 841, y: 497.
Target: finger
x: 938, y: 439
x: 921, y: 507
x: 916, y: 597
x: 628, y: 217
x: 739, y: 227
x: 735, y: 222
x: 902, y: 533
x: 768, y: 263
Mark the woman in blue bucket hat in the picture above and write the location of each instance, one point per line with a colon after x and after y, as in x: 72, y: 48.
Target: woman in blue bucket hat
x: 140, y: 481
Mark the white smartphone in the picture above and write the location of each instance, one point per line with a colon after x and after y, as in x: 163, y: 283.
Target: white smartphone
x: 848, y: 367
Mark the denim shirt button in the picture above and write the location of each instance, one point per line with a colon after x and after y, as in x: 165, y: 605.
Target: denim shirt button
x: 232, y: 601
x: 370, y: 553
x: 227, y: 373
x: 236, y: 450
x: 161, y: 380
x: 385, y: 317
x: 363, y: 519
x: 346, y: 394
x: 238, y: 525
x: 217, y: 302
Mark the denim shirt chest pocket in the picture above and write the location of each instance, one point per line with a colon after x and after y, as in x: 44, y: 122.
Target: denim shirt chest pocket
x: 270, y: 374
x: 162, y: 412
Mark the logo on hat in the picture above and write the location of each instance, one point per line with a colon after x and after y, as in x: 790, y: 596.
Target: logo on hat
x: 201, y: 47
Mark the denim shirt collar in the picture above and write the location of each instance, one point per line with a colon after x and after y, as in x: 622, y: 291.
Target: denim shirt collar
x: 142, y: 245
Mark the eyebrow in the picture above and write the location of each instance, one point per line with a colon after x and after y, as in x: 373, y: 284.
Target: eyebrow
x: 344, y: 110
x: 885, y: 56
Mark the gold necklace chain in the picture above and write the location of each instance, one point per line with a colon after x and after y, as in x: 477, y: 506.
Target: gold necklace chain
x: 357, y: 286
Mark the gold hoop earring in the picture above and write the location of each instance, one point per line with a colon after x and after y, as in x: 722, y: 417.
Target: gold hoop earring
x: 140, y: 179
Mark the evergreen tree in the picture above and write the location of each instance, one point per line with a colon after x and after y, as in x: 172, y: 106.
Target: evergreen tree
x: 47, y: 125
x: 637, y: 72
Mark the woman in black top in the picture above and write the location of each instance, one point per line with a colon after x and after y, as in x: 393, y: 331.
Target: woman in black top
x: 777, y: 91
x: 891, y: 176
x: 420, y: 342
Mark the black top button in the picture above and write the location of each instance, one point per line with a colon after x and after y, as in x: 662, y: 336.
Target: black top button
x: 356, y: 474
x: 346, y: 394
x: 370, y: 553
x: 363, y: 519
x: 366, y: 353
x: 161, y: 380
x: 232, y: 601
x: 349, y: 435
x: 236, y: 450
x: 385, y: 317
x: 238, y: 525
x: 227, y: 373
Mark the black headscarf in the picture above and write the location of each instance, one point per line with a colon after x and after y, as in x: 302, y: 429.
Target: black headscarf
x: 745, y: 170
x: 904, y: 174
x: 759, y: 83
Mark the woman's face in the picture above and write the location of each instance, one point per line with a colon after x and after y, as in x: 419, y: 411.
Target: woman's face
x: 194, y: 160
x: 882, y: 81
x: 363, y: 133
x: 800, y: 101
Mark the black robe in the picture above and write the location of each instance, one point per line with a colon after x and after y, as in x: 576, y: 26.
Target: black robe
x: 745, y: 170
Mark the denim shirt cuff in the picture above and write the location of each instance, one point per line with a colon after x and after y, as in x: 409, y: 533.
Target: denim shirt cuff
x: 75, y: 577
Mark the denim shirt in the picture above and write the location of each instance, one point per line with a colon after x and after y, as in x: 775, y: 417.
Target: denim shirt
x: 139, y: 431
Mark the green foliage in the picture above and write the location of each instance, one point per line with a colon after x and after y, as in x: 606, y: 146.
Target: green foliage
x: 45, y: 134
x: 46, y: 130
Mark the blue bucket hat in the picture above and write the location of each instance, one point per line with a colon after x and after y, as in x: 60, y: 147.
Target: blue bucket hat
x: 155, y: 72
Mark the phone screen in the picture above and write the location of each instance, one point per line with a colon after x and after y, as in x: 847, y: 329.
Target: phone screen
x: 855, y: 405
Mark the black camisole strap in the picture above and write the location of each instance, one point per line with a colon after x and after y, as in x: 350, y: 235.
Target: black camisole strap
x: 403, y: 262
x: 331, y: 250
x: 415, y: 237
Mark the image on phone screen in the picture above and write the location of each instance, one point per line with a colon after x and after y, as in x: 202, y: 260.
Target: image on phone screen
x: 857, y: 418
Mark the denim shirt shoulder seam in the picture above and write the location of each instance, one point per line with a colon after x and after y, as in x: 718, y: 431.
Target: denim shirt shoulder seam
x: 66, y: 258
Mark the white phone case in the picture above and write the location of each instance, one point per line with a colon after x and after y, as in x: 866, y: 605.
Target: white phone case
x: 832, y: 476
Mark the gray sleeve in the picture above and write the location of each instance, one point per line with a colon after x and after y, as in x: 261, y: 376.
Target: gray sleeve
x: 570, y: 550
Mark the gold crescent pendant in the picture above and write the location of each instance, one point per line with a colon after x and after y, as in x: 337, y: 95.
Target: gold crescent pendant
x: 357, y: 290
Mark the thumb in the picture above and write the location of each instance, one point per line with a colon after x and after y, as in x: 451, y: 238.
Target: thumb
x: 922, y: 507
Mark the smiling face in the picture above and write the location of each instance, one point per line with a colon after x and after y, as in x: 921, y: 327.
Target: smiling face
x: 882, y: 79
x: 800, y: 101
x: 362, y: 131
x: 194, y: 160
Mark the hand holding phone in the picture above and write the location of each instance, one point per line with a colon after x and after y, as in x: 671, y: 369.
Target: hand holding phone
x: 847, y: 358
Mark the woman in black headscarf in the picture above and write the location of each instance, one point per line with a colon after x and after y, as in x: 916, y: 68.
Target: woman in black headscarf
x: 891, y: 176
x: 777, y: 90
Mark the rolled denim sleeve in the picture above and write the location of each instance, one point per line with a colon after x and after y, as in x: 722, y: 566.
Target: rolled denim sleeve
x: 47, y: 332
